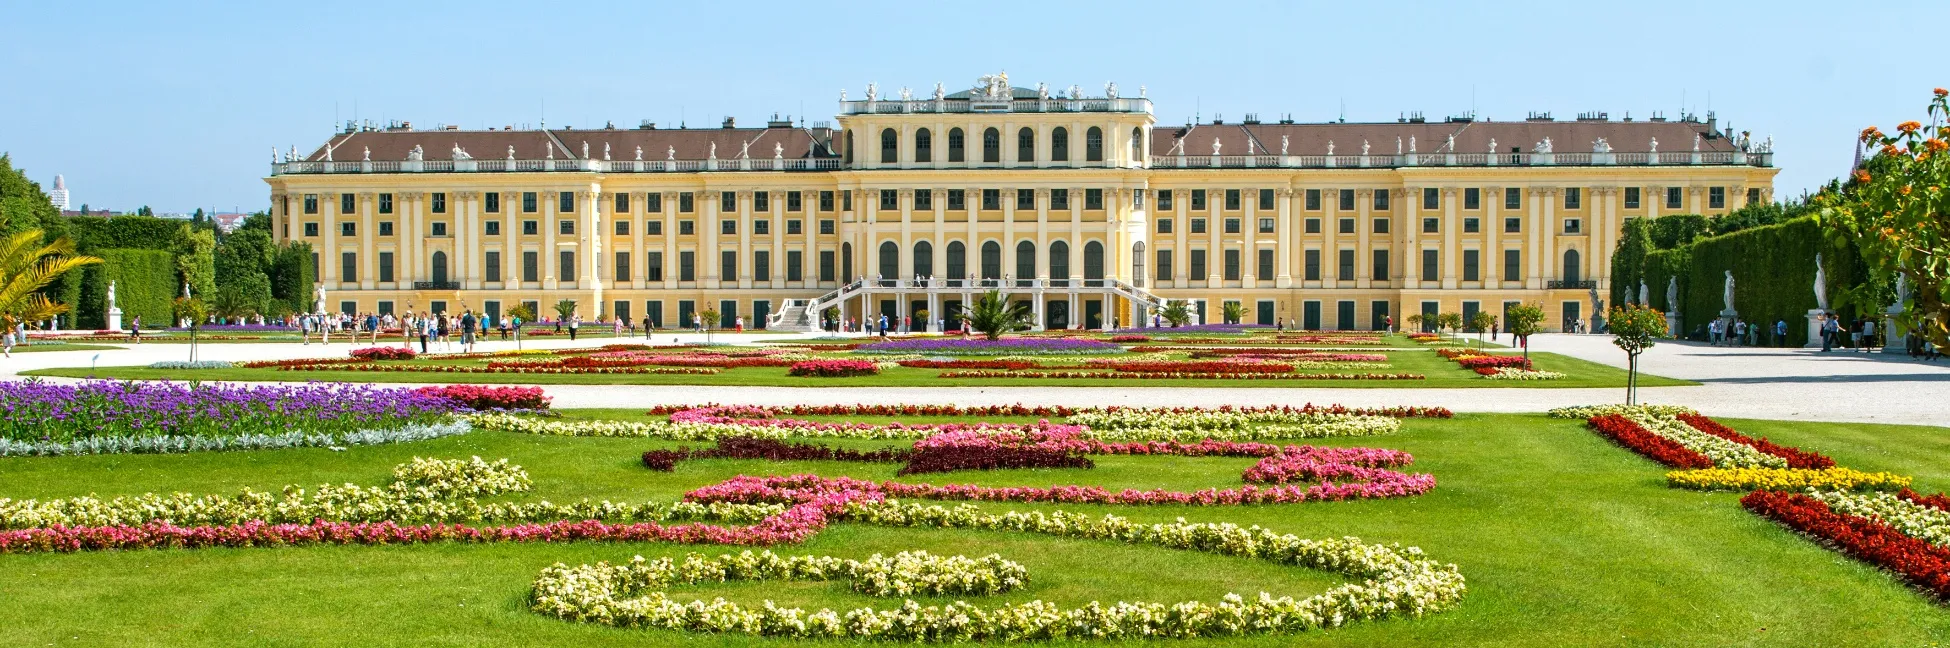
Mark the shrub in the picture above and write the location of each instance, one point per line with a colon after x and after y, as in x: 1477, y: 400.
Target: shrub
x: 383, y: 353
x: 833, y: 368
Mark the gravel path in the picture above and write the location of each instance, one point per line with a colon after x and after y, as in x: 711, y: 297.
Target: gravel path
x: 1738, y: 382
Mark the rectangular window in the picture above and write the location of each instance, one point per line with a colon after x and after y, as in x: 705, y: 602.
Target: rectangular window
x: 1344, y: 315
x: 1345, y: 269
x: 1164, y: 199
x: 1093, y: 199
x: 795, y: 226
x: 794, y: 262
x: 1163, y: 265
x: 762, y: 226
x: 890, y: 199
x: 348, y: 266
x: 653, y: 228
x: 348, y: 203
x: 923, y: 199
x: 1513, y: 265
x: 991, y: 199
x: 653, y: 266
x: 653, y: 203
x: 385, y: 228
x: 622, y: 204
x: 826, y: 201
x: 1198, y: 265
x: 1716, y: 197
x: 1512, y: 225
x: 491, y: 266
x: 566, y: 272
x: 1381, y: 200
x: 311, y: 203
x: 1232, y: 226
x: 728, y: 265
x: 1378, y: 315
x: 826, y: 226
x: 439, y: 229
x: 439, y: 203
x: 957, y: 199
x: 565, y: 202
x: 1313, y: 200
x: 686, y: 312
x: 1232, y: 265
x: 1753, y: 195
x: 1470, y: 260
x: 622, y: 227
x: 385, y: 267
x: 1025, y: 199
x: 566, y: 227
x: 1381, y: 225
x: 1198, y: 199
x: 1631, y: 197
x: 1059, y: 199
x: 1232, y: 200
x: 761, y: 265
x: 1198, y: 226
x: 491, y: 228
x: 1431, y: 225
x: 1573, y: 198
x: 727, y: 202
x: 347, y: 228
x: 1164, y: 226
x: 1672, y: 198
x: 686, y: 202
x: 846, y: 200
x: 622, y: 266
x: 1431, y: 198
x: 686, y: 228
x: 1513, y: 198
x: 1266, y: 199
x: 728, y: 227
x: 1347, y: 226
x: 530, y: 266
x: 1431, y: 265
x: 1472, y: 198
x: 528, y: 202
x: 826, y: 265
x: 1572, y: 225
x: 687, y: 266
x: 1313, y: 226
x: 1312, y: 266
x: 1266, y: 225
x: 531, y: 228
x: 1472, y: 225
x: 1380, y: 269
x: 795, y: 201
x: 1265, y: 265
x: 761, y: 201
x: 1347, y: 200
x: 493, y: 202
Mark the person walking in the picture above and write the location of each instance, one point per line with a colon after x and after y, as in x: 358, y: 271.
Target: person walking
x: 575, y: 322
x: 1780, y: 333
x: 7, y: 340
x: 467, y: 331
x: 135, y: 329
x: 425, y: 329
x: 741, y: 323
x: 1868, y: 334
x: 646, y: 328
x: 1828, y: 328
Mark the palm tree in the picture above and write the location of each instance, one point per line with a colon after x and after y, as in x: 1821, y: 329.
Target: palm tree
x: 993, y: 315
x: 1235, y: 312
x: 1177, y: 313
x: 27, y: 265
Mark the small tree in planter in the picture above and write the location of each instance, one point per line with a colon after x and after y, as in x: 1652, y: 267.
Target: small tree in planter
x: 1481, y: 321
x: 1523, y: 321
x: 192, y: 310
x: 832, y: 314
x: 1635, y: 328
x: 1234, y: 312
x: 564, y: 308
x: 921, y: 319
x: 993, y: 315
x: 709, y: 317
x: 1448, y: 321
x: 1177, y: 313
x: 522, y: 314
x: 1416, y: 321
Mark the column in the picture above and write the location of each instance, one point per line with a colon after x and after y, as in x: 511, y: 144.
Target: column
x: 1249, y: 230
x: 938, y: 199
x: 745, y: 198
x: 550, y: 257
x: 1284, y: 229
x: 328, y: 256
x: 777, y: 218
x: 1450, y: 234
x: 1330, y: 230
x: 972, y: 249
x: 1008, y: 219
x: 416, y: 209
x: 1363, y: 259
x: 1411, y: 251
x: 1608, y: 233
x: 1113, y: 237
x: 1550, y: 234
x: 707, y: 252
x: 1042, y: 236
x: 1692, y: 199
x: 1490, y: 260
x: 368, y: 240
x: 906, y: 258
x: 1181, y: 253
x: 639, y: 256
x: 1653, y: 199
x: 1076, y: 250
x: 1536, y: 225
x: 670, y: 244
x: 591, y: 255
x: 1215, y: 255
x: 510, y: 250
x: 465, y: 246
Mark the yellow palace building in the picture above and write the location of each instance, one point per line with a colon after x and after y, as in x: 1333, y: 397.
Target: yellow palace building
x: 1085, y: 207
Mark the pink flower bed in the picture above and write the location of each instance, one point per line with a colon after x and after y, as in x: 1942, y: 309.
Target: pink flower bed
x: 383, y: 353
x: 486, y: 398
x: 833, y: 368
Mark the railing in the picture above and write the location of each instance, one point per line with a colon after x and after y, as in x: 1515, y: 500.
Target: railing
x: 436, y: 285
x: 1585, y: 284
x: 1053, y: 104
x: 1713, y: 158
x: 555, y: 165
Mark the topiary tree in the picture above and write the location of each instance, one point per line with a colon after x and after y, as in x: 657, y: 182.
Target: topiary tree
x: 521, y: 313
x: 1897, y: 211
x: 993, y: 315
x: 832, y: 314
x: 709, y: 317
x: 1176, y: 313
x: 1415, y: 321
x: 1523, y: 321
x: 1450, y: 321
x: 1481, y: 321
x: 1635, y: 328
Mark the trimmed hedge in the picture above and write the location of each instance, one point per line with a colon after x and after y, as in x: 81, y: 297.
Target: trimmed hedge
x: 1774, y: 276
x: 144, y: 285
x: 292, y: 275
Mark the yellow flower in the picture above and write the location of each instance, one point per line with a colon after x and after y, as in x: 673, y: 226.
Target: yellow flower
x: 1784, y: 479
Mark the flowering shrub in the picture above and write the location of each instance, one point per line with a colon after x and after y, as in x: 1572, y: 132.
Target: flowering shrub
x: 1010, y: 346
x: 63, y: 413
x: 969, y: 364
x: 1478, y: 362
x: 1784, y: 479
x: 833, y: 368
x: 943, y: 458
x: 1590, y: 411
x: 1138, y: 423
x: 197, y: 364
x: 477, y: 397
x: 1122, y: 339
x: 270, y: 441
x: 1200, y: 367
x: 1047, y: 411
x: 1924, y: 565
x: 1900, y: 511
x: 383, y: 353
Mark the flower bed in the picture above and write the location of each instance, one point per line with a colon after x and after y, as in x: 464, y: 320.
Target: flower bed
x: 383, y: 353
x: 1923, y: 565
x: 833, y: 368
x: 197, y: 364
x: 1514, y: 373
x: 770, y: 450
x: 1905, y: 511
x: 1636, y: 438
x: 969, y: 364
x: 478, y: 397
x: 515, y: 369
x: 1007, y: 346
x: 1058, y: 410
x: 1784, y: 479
x: 946, y: 458
x: 1795, y: 457
x: 1200, y: 367
x: 43, y: 413
x: 1479, y: 362
x: 1180, y: 375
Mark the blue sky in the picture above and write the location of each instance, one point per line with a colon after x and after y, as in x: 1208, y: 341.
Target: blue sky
x: 174, y: 107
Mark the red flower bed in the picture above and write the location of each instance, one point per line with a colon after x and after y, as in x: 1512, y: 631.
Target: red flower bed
x: 1624, y: 432
x: 1922, y: 564
x: 1052, y: 411
x: 383, y: 353
x: 1491, y: 362
x: 486, y: 398
x: 1457, y: 353
x: 1130, y: 338
x: 525, y: 369
x: 1179, y: 375
x: 952, y: 458
x: 969, y: 364
x: 1796, y: 457
x: 833, y: 368
x: 770, y: 450
x: 1201, y: 367
x: 1938, y: 501
x: 1486, y: 371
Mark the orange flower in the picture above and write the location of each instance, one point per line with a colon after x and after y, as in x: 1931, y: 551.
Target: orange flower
x: 1870, y: 133
x: 1889, y: 150
x: 1942, y: 92
x: 1904, y: 190
x: 1909, y: 127
x: 1935, y: 144
x: 1861, y: 176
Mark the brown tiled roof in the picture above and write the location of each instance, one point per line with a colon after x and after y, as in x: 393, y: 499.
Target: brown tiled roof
x: 690, y: 144
x: 1471, y: 137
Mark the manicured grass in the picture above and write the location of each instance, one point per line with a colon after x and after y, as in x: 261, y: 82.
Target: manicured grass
x: 37, y: 348
x: 1566, y: 541
x: 1439, y: 372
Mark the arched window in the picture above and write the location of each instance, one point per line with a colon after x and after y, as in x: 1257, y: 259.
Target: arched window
x: 957, y: 260
x: 923, y: 259
x: 1059, y: 145
x: 846, y: 262
x: 923, y: 146
x: 890, y: 146
x: 1137, y: 263
x: 957, y: 146
x: 1026, y: 260
x: 1026, y: 145
x: 1059, y: 260
x: 439, y: 267
x: 1093, y: 261
x: 848, y: 146
x: 991, y: 260
x: 1093, y: 145
x: 1571, y: 266
x: 991, y: 145
x: 1137, y: 145
x: 890, y: 260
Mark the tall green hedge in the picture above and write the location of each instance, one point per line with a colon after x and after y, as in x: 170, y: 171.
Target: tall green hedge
x: 122, y: 232
x: 292, y: 277
x: 1773, y: 270
x: 144, y: 284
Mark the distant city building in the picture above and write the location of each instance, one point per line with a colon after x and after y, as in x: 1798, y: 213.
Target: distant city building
x: 229, y: 222
x: 59, y: 196
x: 98, y: 213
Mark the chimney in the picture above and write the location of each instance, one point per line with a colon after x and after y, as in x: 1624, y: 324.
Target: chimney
x: 731, y: 122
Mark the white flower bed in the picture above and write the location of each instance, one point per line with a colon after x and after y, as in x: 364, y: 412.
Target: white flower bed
x: 1925, y: 523
x: 199, y: 364
x: 1513, y: 373
x: 1582, y: 412
x: 680, y: 431
x: 1391, y: 581
x: 179, y: 444
x: 1153, y: 424
x: 1724, y: 453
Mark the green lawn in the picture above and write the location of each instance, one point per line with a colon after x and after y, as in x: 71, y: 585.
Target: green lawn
x: 1566, y: 541
x: 64, y: 346
x: 1439, y: 372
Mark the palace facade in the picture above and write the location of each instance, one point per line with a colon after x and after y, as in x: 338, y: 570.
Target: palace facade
x: 1084, y: 206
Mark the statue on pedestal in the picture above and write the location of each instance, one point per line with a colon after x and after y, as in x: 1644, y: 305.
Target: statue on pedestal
x: 1727, y: 295
x: 1821, y: 285
x: 1672, y: 294
x: 1645, y: 294
x: 111, y: 295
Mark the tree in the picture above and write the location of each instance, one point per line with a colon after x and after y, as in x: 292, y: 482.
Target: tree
x: 1634, y: 328
x: 1177, y: 313
x: 832, y: 314
x: 23, y: 206
x: 564, y: 309
x: 242, y: 263
x: 1481, y: 321
x: 709, y: 316
x: 1523, y: 321
x: 1416, y: 321
x: 195, y: 263
x: 1897, y: 211
x: 257, y: 221
x: 1234, y: 312
x: 27, y: 265
x: 993, y: 315
x: 191, y: 311
x: 1449, y: 321
x: 522, y: 312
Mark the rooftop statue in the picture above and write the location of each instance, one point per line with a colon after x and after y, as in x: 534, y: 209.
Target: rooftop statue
x: 672, y: 153
x: 1492, y: 145
x: 1042, y: 91
x: 511, y: 151
x: 1110, y: 90
x: 939, y: 92
x: 605, y: 150
x: 639, y: 154
x: 1655, y: 145
x: 873, y: 92
x: 1330, y: 148
x: 1215, y: 146
x: 328, y: 151
x: 461, y: 153
x: 1364, y: 147
x: 1283, y: 144
x: 368, y: 154
x: 778, y: 149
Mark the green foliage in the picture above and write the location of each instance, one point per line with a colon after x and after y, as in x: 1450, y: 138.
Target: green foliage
x: 1634, y: 329
x: 23, y: 206
x: 522, y: 312
x: 195, y: 262
x: 258, y: 221
x: 144, y: 285
x: 292, y: 275
x: 1449, y: 321
x: 567, y: 307
x: 993, y: 315
x: 242, y: 264
x: 1233, y: 312
x: 1897, y: 210
x: 1523, y: 321
x: 1674, y: 230
x: 124, y: 232
x: 1177, y: 313
x: 1774, y: 277
x: 1628, y: 259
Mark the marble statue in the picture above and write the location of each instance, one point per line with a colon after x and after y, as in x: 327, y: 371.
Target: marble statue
x: 1252, y: 147
x: 1042, y: 91
x: 585, y: 149
x: 714, y: 148
x: 1141, y: 92
x: 1110, y: 90
x: 1215, y: 146
x: 671, y: 154
x: 745, y: 149
x: 1330, y: 148
x: 873, y: 92
x: 939, y: 92
x: 1076, y: 91
x: 842, y: 94
x: 778, y: 150
x: 417, y: 154
x: 1655, y: 145
x: 1697, y: 138
x: 1902, y: 288
x: 639, y: 154
x: 274, y: 155
x: 328, y: 152
x: 1398, y: 145
x: 1601, y: 146
x: 1283, y: 144
x: 1178, y: 146
x: 368, y: 155
x: 1492, y: 145
x: 605, y: 150
x: 1672, y: 294
x: 293, y: 155
x: 1411, y: 143
x: 1450, y: 146
x: 1767, y: 146
x: 906, y: 94
x: 1821, y: 284
x: 461, y: 153
x: 111, y: 294
x: 1645, y: 294
x: 511, y: 151
x: 1364, y: 148
x: 1726, y: 293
